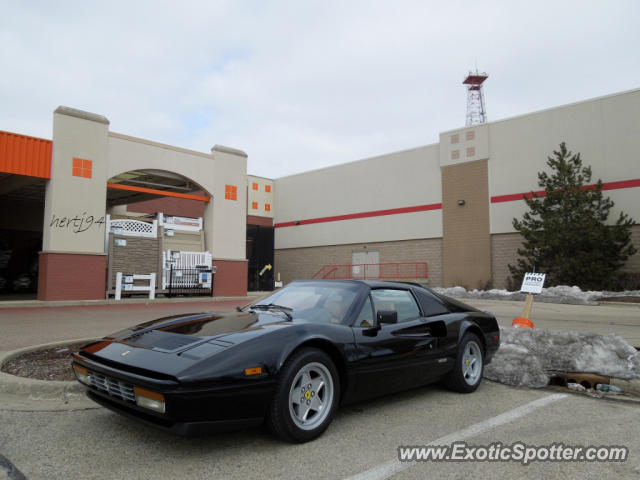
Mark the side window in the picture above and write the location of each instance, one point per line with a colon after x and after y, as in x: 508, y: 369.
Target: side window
x: 365, y: 319
x: 431, y: 305
x: 399, y: 300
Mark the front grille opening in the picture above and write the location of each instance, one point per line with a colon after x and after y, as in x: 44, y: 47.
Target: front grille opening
x: 113, y: 387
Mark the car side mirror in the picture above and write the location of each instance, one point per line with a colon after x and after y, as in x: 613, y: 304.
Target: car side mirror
x: 386, y: 316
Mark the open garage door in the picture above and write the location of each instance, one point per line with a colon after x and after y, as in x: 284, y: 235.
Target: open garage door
x: 25, y: 166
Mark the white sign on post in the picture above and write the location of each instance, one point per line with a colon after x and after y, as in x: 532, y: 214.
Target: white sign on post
x: 532, y: 282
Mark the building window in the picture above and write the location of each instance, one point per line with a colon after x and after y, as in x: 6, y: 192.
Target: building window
x: 254, y: 205
x: 267, y: 188
x: 471, y: 151
x: 254, y: 186
x: 470, y: 135
x: 230, y: 192
x: 267, y: 207
x: 455, y: 154
x: 82, y: 168
x: 455, y: 138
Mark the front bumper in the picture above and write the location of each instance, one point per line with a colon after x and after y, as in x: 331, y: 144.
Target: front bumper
x: 189, y: 410
x: 187, y: 429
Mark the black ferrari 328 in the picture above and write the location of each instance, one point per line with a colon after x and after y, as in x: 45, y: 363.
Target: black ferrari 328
x: 290, y: 359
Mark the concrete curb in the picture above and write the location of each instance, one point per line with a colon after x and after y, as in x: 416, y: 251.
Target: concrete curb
x: 32, y: 389
x: 628, y: 386
x: 125, y: 301
x: 71, y: 392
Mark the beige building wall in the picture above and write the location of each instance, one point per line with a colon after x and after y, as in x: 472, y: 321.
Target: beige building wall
x: 603, y: 130
x: 465, y: 223
x: 302, y: 263
x: 403, y: 179
x: 477, y: 164
x: 74, y: 211
x: 225, y: 224
x: 260, y: 196
x: 464, y: 145
x: 226, y: 238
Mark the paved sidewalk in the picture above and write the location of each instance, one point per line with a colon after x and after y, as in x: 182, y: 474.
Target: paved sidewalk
x: 22, y: 327
x: 34, y: 303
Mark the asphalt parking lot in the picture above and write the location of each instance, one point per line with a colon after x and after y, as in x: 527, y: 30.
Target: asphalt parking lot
x: 96, y: 443
x: 363, y: 439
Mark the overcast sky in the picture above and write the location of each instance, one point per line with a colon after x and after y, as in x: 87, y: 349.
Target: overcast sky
x: 301, y: 85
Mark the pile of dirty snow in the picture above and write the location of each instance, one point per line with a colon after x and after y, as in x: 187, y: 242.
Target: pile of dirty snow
x: 560, y: 294
x: 528, y: 357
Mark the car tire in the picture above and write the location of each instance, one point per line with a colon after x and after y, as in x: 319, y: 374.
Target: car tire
x: 469, y: 367
x: 305, y: 398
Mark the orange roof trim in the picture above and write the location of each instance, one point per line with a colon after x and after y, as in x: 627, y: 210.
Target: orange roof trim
x: 153, y: 191
x: 24, y: 155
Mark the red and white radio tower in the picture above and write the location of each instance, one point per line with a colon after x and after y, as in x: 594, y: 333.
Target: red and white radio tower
x: 476, y: 112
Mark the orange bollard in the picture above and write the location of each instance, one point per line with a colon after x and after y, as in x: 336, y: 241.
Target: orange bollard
x: 521, y: 322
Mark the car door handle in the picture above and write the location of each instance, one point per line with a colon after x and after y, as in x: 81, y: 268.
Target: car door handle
x: 413, y: 335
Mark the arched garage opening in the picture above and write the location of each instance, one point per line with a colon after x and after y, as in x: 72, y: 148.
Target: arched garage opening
x: 155, y: 224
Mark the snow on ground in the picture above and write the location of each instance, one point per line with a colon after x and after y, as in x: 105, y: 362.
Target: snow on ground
x: 559, y: 294
x: 527, y: 357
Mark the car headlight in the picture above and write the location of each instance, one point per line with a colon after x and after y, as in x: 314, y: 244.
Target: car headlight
x: 82, y: 374
x: 148, y: 399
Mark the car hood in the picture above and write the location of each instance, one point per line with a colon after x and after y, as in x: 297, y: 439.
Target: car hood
x: 173, y: 344
x: 195, y: 327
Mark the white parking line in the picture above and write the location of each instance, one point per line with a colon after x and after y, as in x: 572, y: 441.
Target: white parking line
x: 390, y: 468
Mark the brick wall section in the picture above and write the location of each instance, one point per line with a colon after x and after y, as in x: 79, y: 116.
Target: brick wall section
x: 467, y: 243
x: 633, y: 264
x: 504, y: 251
x: 504, y: 248
x: 139, y: 256
x: 64, y: 276
x: 301, y: 263
x: 231, y: 278
x: 181, y: 207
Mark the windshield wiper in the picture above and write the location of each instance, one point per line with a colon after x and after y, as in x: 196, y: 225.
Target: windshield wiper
x: 273, y: 306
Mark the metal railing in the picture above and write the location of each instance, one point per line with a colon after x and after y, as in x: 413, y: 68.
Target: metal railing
x: 190, y: 282
x: 182, y: 260
x: 375, y: 271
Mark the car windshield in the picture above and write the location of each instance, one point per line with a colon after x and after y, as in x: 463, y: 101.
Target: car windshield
x: 315, y: 302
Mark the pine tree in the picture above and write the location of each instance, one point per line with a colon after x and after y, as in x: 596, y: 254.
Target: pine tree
x: 566, y: 233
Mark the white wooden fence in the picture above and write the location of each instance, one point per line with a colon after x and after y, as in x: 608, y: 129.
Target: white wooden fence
x: 128, y: 285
